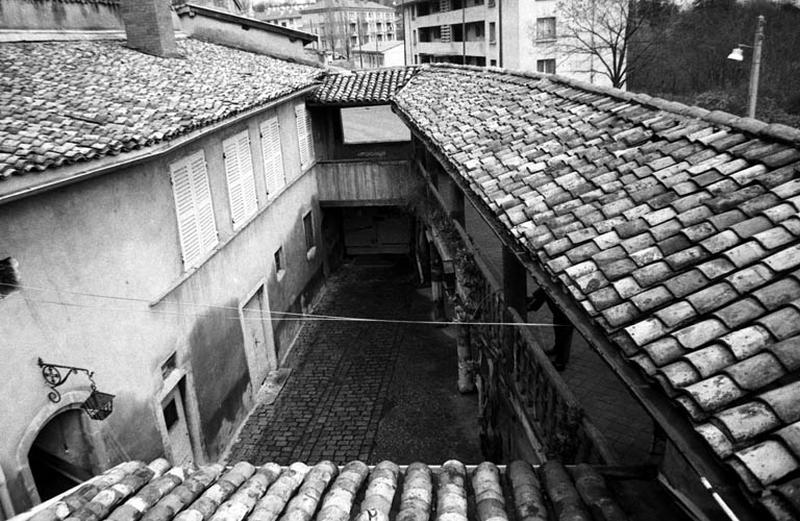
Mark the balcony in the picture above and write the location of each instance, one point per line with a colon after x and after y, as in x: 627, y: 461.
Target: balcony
x: 472, y: 14
x: 474, y: 48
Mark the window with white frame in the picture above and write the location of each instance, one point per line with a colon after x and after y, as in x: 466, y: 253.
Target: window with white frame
x: 305, y: 136
x: 240, y: 176
x: 273, y: 157
x: 197, y: 229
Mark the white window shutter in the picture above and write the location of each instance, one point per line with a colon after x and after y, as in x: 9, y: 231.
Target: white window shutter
x: 304, y: 135
x: 309, y: 135
x: 248, y: 179
x: 273, y: 157
x: 239, y: 174
x: 207, y: 226
x: 185, y: 212
x: 197, y: 229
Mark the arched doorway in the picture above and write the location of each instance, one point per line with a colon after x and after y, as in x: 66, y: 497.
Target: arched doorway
x: 61, y: 455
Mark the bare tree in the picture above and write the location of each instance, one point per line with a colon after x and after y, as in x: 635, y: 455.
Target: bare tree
x: 598, y: 33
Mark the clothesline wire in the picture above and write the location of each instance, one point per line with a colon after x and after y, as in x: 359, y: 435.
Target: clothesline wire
x: 271, y: 315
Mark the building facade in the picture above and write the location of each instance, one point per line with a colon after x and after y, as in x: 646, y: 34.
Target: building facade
x: 160, y: 242
x: 343, y: 26
x: 513, y: 34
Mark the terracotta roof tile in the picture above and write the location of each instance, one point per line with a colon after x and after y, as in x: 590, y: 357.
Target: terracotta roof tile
x: 133, y: 491
x: 48, y: 117
x: 703, y: 212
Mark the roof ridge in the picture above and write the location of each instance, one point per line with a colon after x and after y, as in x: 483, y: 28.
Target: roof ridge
x: 755, y: 127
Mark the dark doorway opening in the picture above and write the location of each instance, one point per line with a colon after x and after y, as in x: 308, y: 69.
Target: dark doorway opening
x: 61, y: 455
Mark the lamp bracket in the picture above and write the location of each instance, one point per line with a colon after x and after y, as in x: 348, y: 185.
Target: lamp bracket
x: 54, y: 378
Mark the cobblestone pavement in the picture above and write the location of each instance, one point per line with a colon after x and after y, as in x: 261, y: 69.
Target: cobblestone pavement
x: 368, y: 391
x: 608, y: 403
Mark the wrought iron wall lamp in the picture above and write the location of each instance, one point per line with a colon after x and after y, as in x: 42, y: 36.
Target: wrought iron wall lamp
x: 99, y: 404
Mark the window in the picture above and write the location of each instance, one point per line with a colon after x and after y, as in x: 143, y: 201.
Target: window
x: 414, y: 36
x: 305, y: 135
x: 280, y: 264
x: 546, y: 28
x: 273, y: 158
x: 493, y: 63
x: 197, y: 228
x: 308, y: 228
x: 239, y: 173
x: 546, y: 66
x: 492, y: 32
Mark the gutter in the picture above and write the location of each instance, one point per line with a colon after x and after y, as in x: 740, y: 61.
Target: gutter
x: 111, y: 164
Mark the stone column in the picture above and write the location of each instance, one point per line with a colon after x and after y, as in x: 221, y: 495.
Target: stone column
x: 466, y: 376
x: 514, y: 282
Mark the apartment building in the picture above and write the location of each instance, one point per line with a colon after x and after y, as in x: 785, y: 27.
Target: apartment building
x: 345, y: 25
x: 493, y: 33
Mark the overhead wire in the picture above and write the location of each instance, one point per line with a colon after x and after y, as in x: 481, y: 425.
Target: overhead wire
x: 271, y: 315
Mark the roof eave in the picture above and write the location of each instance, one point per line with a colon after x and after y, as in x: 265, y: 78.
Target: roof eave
x: 293, y: 34
x: 675, y: 424
x: 20, y: 187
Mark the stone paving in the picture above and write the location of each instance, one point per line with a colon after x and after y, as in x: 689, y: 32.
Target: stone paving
x: 626, y: 426
x: 366, y: 390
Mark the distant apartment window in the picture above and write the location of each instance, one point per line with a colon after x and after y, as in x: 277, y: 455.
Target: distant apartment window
x: 546, y: 66
x: 413, y: 12
x: 305, y: 135
x: 416, y: 59
x: 492, y: 32
x: 414, y: 36
x: 491, y: 3
x: 546, y: 28
x: 376, y: 124
x: 241, y: 181
x: 493, y: 63
x: 274, y: 174
x: 197, y: 229
x: 308, y: 228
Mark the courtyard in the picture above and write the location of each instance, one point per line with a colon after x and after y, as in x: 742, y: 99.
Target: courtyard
x: 367, y: 390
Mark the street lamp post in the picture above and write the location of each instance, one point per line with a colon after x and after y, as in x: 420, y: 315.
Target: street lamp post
x: 737, y: 55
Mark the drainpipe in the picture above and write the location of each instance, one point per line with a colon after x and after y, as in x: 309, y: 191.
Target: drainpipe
x: 6, y: 507
x: 500, y: 33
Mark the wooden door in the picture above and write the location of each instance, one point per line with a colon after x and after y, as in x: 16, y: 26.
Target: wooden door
x: 259, y: 344
x: 175, y: 417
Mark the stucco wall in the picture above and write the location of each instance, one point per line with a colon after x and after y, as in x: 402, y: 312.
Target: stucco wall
x: 25, y: 14
x: 248, y: 39
x: 116, y: 235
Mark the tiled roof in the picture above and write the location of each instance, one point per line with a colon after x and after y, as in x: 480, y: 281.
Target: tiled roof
x: 676, y: 229
x: 363, y: 87
x: 134, y: 491
x: 65, y: 102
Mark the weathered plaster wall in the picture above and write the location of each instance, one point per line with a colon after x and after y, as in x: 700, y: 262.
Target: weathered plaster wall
x: 117, y: 235
x: 45, y: 15
x: 248, y: 39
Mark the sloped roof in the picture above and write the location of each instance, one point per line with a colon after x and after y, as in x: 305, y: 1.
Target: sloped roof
x: 134, y: 491
x: 676, y: 229
x: 65, y: 102
x: 376, y: 86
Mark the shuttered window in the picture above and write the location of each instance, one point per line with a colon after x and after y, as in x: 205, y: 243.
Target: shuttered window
x: 239, y: 173
x: 304, y: 135
x: 197, y: 229
x: 273, y: 158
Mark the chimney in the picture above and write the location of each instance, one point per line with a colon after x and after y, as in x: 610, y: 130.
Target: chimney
x: 148, y: 26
